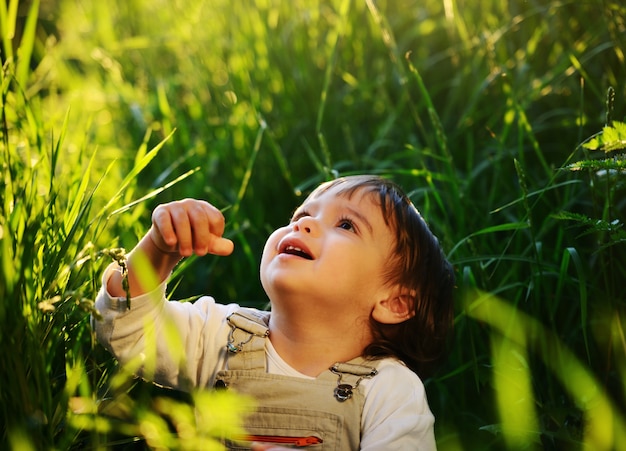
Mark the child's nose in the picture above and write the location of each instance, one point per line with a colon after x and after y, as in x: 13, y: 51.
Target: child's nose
x: 304, y: 224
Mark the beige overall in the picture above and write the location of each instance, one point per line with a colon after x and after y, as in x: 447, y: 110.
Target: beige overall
x: 321, y: 414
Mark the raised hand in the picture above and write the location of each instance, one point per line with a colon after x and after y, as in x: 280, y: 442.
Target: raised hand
x: 189, y: 226
x: 179, y: 229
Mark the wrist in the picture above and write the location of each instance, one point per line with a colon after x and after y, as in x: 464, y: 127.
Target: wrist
x: 162, y: 261
x: 148, y: 266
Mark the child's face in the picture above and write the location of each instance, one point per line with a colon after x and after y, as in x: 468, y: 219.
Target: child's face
x: 332, y: 256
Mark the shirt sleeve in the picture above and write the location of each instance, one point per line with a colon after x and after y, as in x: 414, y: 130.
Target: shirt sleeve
x: 396, y: 414
x: 175, y: 344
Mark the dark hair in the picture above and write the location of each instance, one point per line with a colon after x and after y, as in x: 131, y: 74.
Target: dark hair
x: 418, y: 265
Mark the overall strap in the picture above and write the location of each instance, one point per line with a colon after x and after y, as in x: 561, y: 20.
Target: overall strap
x: 246, y: 340
x: 349, y: 375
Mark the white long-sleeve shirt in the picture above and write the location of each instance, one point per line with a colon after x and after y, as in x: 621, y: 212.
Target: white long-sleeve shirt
x: 183, y: 345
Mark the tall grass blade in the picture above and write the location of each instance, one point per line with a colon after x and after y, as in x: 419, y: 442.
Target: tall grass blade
x: 27, y: 44
x: 248, y: 173
x: 604, y: 425
x: 132, y: 175
x: 152, y: 194
x: 8, y: 18
x: 492, y: 229
x: 332, y: 41
x: 570, y: 254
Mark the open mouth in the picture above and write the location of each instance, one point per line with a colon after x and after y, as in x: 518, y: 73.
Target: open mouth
x: 297, y: 251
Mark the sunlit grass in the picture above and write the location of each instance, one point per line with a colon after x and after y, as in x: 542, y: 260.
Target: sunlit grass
x: 516, y: 334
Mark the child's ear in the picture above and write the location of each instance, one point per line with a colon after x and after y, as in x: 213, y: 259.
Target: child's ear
x: 395, y: 309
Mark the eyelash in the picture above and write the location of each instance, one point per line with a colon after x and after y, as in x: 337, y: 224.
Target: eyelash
x: 342, y: 220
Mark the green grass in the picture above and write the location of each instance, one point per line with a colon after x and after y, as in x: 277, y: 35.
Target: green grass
x: 504, y: 122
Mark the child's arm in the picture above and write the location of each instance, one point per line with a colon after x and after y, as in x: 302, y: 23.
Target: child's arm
x: 179, y: 229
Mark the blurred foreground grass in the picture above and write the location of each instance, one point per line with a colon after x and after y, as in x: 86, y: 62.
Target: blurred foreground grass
x: 109, y: 108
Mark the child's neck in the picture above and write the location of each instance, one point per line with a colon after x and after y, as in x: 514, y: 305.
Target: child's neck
x: 310, y: 348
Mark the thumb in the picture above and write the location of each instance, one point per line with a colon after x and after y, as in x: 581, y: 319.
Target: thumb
x: 221, y: 246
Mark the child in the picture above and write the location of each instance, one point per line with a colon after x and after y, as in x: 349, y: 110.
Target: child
x: 361, y: 303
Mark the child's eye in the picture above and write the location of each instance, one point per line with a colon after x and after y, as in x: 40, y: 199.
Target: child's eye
x: 346, y: 224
